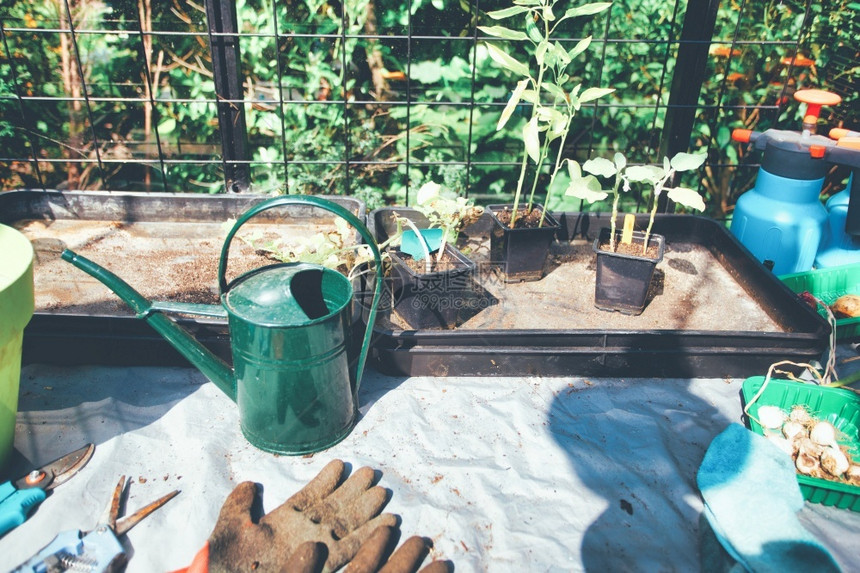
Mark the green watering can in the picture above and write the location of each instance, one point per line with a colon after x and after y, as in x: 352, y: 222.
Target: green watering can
x: 290, y: 335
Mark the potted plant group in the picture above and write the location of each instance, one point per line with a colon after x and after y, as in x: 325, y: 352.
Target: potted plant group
x: 627, y: 258
x: 432, y: 280
x: 523, y: 231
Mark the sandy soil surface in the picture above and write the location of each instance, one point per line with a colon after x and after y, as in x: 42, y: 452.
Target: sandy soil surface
x: 691, y: 290
x: 162, y: 260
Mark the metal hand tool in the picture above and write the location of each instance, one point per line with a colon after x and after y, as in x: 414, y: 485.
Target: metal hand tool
x: 18, y: 498
x: 96, y: 550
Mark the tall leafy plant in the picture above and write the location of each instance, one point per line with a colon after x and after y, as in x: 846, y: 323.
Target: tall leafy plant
x: 545, y: 83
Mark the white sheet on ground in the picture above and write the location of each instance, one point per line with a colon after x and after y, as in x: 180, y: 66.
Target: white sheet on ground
x: 503, y: 474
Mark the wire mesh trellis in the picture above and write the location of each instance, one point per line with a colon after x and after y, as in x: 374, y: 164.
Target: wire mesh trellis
x: 372, y: 98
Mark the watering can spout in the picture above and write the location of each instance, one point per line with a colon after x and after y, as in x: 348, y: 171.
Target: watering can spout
x: 215, y: 369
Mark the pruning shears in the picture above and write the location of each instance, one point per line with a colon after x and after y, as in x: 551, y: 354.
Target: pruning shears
x: 19, y: 497
x: 98, y: 550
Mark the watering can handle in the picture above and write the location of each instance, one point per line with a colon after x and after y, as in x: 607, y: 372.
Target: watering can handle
x: 340, y: 212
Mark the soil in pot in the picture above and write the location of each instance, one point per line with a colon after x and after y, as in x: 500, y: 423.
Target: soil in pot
x: 443, y: 298
x: 521, y: 251
x: 525, y: 219
x: 632, y: 249
x: 437, y: 265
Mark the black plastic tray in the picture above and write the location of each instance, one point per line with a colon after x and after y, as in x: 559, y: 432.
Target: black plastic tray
x: 66, y: 337
x: 800, y: 334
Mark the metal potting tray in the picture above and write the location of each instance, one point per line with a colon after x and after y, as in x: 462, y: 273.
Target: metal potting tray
x: 154, y: 241
x: 714, y: 311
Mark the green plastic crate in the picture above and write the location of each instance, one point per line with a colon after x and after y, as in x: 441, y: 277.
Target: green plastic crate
x: 838, y: 406
x: 828, y: 285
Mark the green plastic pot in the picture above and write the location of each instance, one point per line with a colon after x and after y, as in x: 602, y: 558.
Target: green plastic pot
x: 16, y: 309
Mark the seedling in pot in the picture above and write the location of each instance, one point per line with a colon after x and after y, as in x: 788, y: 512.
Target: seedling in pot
x: 446, y: 211
x: 447, y: 214
x: 335, y: 249
x: 545, y: 84
x: 588, y: 187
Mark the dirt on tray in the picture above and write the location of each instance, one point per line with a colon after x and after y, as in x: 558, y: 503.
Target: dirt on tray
x: 691, y: 290
x: 166, y: 261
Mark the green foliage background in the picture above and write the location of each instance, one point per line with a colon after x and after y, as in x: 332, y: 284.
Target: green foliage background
x: 338, y: 100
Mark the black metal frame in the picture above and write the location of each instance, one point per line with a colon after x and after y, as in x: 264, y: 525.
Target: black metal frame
x: 224, y: 35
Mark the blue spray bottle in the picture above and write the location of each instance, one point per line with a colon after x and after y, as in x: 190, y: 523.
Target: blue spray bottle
x: 781, y: 220
x: 841, y: 242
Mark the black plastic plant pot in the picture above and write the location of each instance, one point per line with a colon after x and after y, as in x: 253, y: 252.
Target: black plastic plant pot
x: 434, y: 300
x: 521, y: 252
x: 623, y: 280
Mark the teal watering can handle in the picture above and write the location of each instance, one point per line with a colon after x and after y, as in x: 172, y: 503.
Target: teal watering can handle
x: 340, y: 212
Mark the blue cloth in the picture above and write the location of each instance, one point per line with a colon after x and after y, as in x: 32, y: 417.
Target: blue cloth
x: 751, y: 500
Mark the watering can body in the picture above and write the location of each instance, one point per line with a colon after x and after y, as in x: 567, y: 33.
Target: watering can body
x: 294, y: 383
x: 296, y: 368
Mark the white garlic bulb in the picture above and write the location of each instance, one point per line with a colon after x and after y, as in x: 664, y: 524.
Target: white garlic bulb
x: 807, y: 446
x: 792, y: 430
x: 771, y: 417
x: 823, y: 434
x: 834, y: 461
x: 807, y: 464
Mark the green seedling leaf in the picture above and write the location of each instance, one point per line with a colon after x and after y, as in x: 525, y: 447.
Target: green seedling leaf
x: 540, y: 53
x: 555, y: 91
x: 587, y: 188
x: 507, y: 61
x: 512, y: 104
x: 667, y: 165
x: 587, y: 9
x: 531, y: 139
x: 688, y: 161
x: 532, y: 29
x: 559, y: 127
x: 620, y: 161
x: 427, y: 193
x: 573, y: 169
x: 507, y: 12
x: 600, y: 166
x: 650, y: 173
x: 592, y: 94
x: 560, y: 54
x: 410, y: 243
x: 687, y: 198
x: 549, y: 114
x: 547, y: 13
x: 530, y: 96
x: 504, y: 33
x: 580, y: 47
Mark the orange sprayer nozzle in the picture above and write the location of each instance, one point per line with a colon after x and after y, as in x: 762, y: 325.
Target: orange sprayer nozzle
x: 838, y: 133
x: 742, y: 135
x: 817, y: 151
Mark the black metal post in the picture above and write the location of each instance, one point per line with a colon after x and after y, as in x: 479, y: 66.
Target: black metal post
x: 687, y: 79
x: 226, y: 67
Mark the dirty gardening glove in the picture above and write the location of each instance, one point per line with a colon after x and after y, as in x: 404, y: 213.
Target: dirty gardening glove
x: 324, y: 521
x: 373, y: 556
